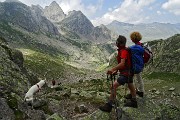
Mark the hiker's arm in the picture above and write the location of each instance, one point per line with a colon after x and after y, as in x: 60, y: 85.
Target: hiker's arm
x: 119, y: 66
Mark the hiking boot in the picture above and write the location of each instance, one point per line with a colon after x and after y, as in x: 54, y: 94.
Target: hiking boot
x: 128, y: 96
x: 106, y: 108
x: 140, y: 94
x: 131, y: 103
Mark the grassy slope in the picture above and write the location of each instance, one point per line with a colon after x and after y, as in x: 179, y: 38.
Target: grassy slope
x: 41, y: 64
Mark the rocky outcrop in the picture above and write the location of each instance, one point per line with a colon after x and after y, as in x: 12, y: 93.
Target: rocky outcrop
x: 103, y: 34
x: 25, y: 17
x: 55, y: 116
x: 11, y: 70
x: 6, y: 112
x: 14, y: 82
x: 54, y: 12
x: 77, y: 22
x: 166, y: 55
x: 79, y: 25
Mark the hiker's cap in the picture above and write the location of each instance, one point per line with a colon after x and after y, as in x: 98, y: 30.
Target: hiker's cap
x: 121, y: 40
x: 135, y: 36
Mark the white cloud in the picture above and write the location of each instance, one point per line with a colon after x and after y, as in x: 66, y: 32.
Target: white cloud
x: 150, y: 8
x: 159, y: 12
x: 68, y: 5
x: 172, y: 6
x: 147, y: 17
x: 109, y: 9
x: 129, y: 11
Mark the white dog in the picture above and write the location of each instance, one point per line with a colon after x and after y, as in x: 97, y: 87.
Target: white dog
x: 35, y: 88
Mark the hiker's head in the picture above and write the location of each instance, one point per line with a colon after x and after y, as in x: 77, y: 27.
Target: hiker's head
x: 121, y: 41
x: 135, y: 37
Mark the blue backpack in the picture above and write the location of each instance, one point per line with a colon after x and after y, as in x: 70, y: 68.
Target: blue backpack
x: 137, y: 61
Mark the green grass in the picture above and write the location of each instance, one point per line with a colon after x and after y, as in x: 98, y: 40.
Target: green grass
x: 41, y: 64
x: 102, y: 67
x: 163, y: 76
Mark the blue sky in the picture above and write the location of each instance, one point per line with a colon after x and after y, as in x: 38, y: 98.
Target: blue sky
x: 129, y: 11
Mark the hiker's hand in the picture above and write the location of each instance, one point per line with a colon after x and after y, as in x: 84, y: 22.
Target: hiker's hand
x: 115, y: 72
x: 110, y: 72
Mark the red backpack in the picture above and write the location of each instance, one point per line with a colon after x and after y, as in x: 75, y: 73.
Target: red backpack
x: 148, y: 55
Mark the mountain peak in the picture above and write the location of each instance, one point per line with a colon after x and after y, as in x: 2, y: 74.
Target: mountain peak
x: 54, y: 12
x: 54, y: 3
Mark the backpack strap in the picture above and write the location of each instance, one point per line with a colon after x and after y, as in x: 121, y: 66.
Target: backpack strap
x: 130, y: 53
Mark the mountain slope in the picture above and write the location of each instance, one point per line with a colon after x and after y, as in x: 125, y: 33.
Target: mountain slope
x: 77, y: 22
x: 19, y: 14
x: 80, y: 27
x: 32, y: 31
x: 166, y: 55
x: 14, y: 82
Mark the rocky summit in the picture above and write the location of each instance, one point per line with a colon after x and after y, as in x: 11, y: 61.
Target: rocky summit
x: 54, y: 12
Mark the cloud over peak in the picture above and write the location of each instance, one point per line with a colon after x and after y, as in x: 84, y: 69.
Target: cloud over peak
x: 129, y: 11
x: 172, y: 6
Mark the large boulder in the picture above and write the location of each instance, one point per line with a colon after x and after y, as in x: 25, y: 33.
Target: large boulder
x: 6, y: 113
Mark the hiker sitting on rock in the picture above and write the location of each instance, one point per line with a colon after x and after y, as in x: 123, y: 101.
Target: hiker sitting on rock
x: 124, y: 63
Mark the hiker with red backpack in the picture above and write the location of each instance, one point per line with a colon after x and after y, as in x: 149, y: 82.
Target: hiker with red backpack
x: 147, y: 56
x: 126, y: 75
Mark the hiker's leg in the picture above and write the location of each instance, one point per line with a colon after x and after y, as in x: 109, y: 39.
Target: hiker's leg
x: 133, y: 101
x: 113, y: 90
x: 132, y: 90
x: 120, y: 81
x: 140, y: 82
x: 108, y: 106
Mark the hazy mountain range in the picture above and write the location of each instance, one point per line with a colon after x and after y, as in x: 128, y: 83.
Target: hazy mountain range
x: 149, y: 31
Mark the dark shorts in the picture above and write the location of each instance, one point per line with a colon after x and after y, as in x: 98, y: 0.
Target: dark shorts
x: 124, y: 79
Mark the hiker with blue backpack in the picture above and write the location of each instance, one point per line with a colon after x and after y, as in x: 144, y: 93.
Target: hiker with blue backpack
x: 147, y: 57
x: 127, y: 68
x: 136, y: 37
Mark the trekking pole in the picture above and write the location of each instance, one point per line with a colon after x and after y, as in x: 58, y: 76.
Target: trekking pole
x: 118, y: 111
